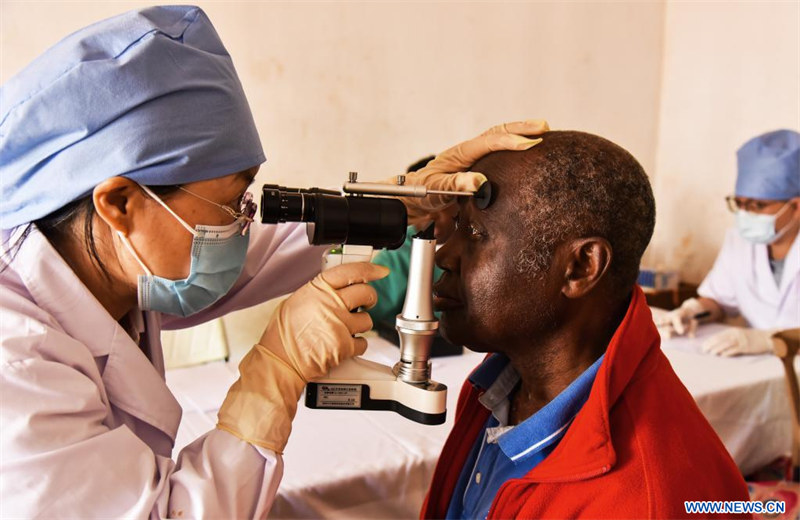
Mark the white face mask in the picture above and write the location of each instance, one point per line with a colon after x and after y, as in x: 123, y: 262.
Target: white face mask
x: 759, y: 228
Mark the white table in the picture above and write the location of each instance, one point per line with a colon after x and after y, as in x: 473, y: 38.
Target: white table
x: 345, y: 464
x: 744, y: 397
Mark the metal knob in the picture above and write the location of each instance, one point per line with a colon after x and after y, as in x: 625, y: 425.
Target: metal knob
x: 401, y: 179
x: 353, y: 176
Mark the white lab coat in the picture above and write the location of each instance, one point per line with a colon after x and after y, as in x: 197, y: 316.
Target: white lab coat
x: 88, y: 424
x: 741, y: 281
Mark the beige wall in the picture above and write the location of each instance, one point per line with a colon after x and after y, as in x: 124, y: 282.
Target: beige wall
x: 372, y: 87
x: 731, y: 71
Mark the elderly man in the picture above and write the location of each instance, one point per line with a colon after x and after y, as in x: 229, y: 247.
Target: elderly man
x: 577, y: 413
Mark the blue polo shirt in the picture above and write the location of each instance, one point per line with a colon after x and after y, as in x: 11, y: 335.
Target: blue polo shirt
x: 505, y: 452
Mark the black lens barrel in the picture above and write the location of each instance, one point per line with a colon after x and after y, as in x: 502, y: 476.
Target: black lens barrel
x: 335, y: 219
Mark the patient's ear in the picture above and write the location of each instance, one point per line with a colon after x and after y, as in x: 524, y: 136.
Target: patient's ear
x: 587, y: 261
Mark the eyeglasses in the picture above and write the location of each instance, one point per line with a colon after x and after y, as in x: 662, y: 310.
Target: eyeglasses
x: 247, y: 209
x: 751, y: 205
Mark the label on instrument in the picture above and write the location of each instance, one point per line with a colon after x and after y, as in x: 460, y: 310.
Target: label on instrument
x: 338, y: 396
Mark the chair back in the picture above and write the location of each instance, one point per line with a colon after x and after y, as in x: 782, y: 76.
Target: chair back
x: 786, y: 344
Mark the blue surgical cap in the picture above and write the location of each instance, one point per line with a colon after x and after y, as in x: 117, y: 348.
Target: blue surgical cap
x: 150, y: 94
x: 769, y: 166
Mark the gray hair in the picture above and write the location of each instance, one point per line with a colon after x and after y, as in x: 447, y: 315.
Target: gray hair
x: 585, y: 186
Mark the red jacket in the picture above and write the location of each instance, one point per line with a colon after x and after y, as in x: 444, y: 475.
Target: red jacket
x: 638, y: 448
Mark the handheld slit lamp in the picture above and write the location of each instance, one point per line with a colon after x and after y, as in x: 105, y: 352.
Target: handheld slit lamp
x: 364, y: 217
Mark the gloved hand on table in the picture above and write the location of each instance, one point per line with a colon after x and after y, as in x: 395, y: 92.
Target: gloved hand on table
x: 738, y: 341
x: 448, y: 170
x: 677, y: 320
x: 309, y: 333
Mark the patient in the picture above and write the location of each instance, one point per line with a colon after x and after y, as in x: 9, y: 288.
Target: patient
x: 577, y: 413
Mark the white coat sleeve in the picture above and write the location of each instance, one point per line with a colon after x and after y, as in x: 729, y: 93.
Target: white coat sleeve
x: 719, y: 284
x: 65, y: 455
x: 279, y: 261
x: 221, y: 476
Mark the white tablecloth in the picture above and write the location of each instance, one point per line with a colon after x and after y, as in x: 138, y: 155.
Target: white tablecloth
x: 347, y: 464
x: 744, y: 398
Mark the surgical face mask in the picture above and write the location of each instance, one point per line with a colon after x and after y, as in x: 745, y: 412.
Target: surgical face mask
x: 760, y: 228
x: 218, y: 256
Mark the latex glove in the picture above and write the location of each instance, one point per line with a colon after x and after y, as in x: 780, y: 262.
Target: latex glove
x: 309, y: 333
x: 448, y: 171
x: 738, y: 341
x: 677, y: 320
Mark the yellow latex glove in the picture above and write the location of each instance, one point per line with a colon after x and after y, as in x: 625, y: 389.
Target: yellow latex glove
x: 738, y: 341
x: 448, y: 171
x: 310, y: 333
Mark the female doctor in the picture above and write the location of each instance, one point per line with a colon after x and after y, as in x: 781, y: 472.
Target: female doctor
x: 757, y: 272
x: 127, y: 149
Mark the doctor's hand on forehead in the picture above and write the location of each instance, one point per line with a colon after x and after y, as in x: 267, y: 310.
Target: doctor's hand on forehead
x: 449, y: 170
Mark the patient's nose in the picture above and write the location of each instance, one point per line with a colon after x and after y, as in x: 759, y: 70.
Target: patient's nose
x: 448, y: 256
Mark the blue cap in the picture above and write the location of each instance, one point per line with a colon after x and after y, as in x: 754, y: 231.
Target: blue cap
x: 769, y: 166
x: 150, y: 94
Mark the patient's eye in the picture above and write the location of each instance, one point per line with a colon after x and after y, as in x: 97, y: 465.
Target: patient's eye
x: 472, y: 231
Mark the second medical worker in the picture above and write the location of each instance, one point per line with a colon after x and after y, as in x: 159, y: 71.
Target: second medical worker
x: 757, y: 272
x: 127, y: 150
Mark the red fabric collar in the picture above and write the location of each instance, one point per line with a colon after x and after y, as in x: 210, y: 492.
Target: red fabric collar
x: 586, y: 449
